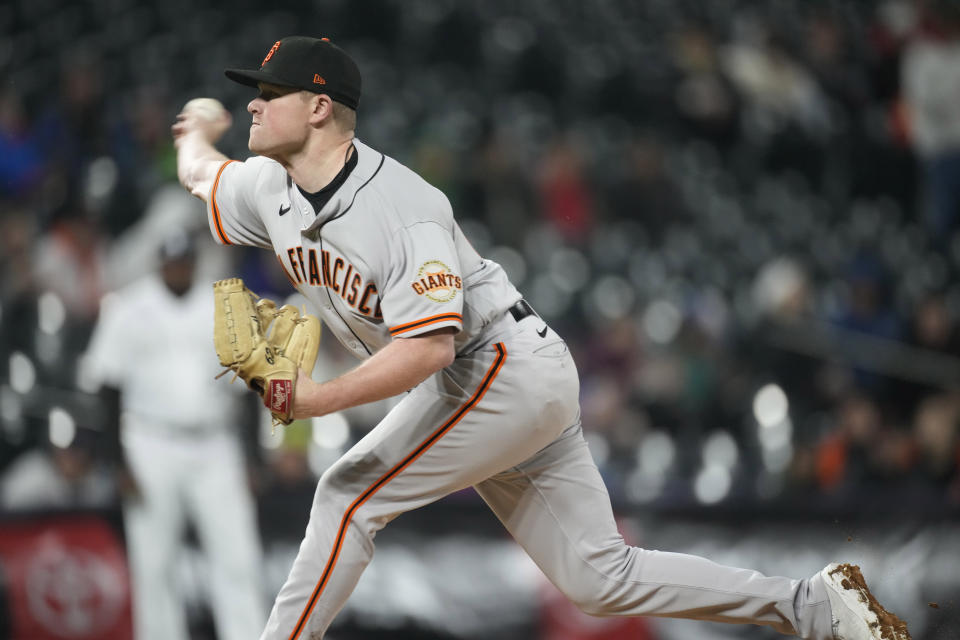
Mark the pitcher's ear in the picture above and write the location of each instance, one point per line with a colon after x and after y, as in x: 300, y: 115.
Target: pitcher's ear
x: 321, y: 108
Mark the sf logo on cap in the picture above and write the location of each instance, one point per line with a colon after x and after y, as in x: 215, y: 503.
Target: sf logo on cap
x: 273, y: 49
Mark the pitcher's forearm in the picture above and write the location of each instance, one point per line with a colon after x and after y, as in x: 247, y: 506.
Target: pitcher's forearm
x: 201, y: 123
x: 398, y: 367
x: 197, y: 163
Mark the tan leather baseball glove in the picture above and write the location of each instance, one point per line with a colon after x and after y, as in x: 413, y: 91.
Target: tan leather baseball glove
x: 263, y: 345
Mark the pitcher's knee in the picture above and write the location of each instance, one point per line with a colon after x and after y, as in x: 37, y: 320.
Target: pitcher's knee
x: 607, y: 592
x: 329, y: 496
x: 593, y: 598
x: 589, y: 605
x: 336, y: 501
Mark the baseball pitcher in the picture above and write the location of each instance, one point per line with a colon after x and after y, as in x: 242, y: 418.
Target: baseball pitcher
x: 493, y: 390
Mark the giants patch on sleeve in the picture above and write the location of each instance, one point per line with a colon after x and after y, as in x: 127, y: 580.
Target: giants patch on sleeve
x: 436, y: 282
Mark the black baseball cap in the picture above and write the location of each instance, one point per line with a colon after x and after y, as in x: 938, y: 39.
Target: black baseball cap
x: 313, y: 64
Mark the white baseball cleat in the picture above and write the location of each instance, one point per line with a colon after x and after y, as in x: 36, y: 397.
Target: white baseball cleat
x: 856, y: 613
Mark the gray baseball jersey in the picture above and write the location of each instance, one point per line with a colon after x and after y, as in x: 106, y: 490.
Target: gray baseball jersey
x: 385, y: 258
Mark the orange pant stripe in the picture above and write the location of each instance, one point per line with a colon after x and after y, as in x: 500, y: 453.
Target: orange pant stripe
x: 392, y: 473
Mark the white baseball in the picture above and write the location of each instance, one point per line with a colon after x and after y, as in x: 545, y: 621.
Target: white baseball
x: 209, y: 109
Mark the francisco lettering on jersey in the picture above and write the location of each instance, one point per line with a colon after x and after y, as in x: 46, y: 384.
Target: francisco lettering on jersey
x: 320, y: 269
x: 436, y: 282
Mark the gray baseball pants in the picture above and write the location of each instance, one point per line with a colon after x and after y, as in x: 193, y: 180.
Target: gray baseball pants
x: 505, y: 420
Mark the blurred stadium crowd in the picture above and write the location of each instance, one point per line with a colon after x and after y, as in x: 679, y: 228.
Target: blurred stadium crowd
x: 743, y: 216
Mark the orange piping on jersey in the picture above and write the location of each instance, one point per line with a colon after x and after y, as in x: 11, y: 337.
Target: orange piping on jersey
x: 425, y: 321
x: 390, y: 475
x: 218, y: 225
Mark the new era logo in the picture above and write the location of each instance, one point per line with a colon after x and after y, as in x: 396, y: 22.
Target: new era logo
x: 318, y: 80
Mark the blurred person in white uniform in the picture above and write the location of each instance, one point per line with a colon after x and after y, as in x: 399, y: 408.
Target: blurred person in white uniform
x: 180, y: 457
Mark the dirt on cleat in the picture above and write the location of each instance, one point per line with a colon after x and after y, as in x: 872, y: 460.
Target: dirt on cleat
x: 890, y: 626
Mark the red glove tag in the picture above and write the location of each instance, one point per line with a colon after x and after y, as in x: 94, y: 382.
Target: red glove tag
x: 281, y: 393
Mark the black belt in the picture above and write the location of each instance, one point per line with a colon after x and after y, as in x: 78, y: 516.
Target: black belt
x: 521, y: 310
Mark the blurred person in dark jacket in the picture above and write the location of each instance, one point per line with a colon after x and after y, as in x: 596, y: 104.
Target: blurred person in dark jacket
x: 930, y: 77
x: 68, y: 475
x: 936, y: 429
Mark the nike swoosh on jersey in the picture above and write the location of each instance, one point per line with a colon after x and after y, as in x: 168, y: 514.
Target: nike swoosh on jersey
x: 284, y: 210
x: 542, y: 332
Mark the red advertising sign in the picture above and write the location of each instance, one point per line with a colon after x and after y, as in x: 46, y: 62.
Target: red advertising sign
x: 65, y: 577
